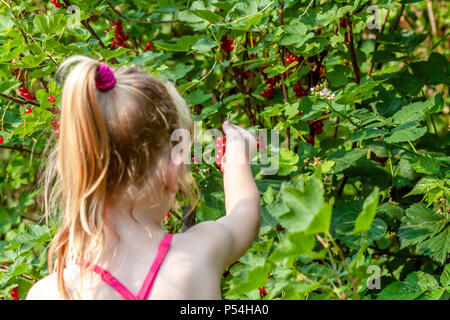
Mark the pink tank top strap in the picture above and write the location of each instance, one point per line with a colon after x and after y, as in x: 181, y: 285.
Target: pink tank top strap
x: 146, y: 287
x: 114, y: 283
x: 151, y: 275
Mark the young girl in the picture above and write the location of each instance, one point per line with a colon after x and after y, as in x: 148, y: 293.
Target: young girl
x: 114, y: 179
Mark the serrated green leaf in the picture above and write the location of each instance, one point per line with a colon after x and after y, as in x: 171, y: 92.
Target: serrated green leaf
x: 412, y: 287
x: 344, y: 159
x: 365, y: 218
x: 293, y: 244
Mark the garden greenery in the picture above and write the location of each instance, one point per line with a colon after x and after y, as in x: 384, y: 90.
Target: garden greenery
x: 358, y: 91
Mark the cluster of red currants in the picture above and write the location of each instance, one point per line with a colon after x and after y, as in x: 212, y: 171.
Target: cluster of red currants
x: 54, y: 110
x: 268, y: 93
x: 14, y: 294
x: 381, y: 160
x: 290, y: 58
x: 148, y: 46
x: 56, y: 3
x: 220, y: 145
x: 299, y: 90
x: 316, y: 128
x: 25, y: 94
x: 226, y: 44
x: 273, y: 81
x: 246, y: 73
x: 55, y: 125
x: 119, y: 36
x: 17, y: 74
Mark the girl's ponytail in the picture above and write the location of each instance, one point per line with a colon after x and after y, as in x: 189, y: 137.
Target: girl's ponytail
x: 115, y: 139
x: 83, y: 159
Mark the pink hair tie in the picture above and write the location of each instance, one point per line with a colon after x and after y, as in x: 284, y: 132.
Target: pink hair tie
x: 105, y: 78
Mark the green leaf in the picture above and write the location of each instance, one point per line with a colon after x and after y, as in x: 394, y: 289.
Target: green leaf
x: 429, y: 231
x: 419, y: 224
x: 207, y: 15
x: 198, y: 97
x: 321, y: 222
x: 32, y: 61
x: 183, y: 44
x: 144, y: 58
x: 368, y: 133
x: 410, y: 133
x: 178, y: 72
x: 287, y: 162
x: 415, y: 284
x: 261, y: 246
x: 34, y: 233
x: 358, y: 93
x: 296, y: 34
x: 109, y: 54
x: 437, y: 247
x: 304, y: 200
x: 5, y: 23
x: 255, y: 279
x: 293, y: 244
x: 365, y: 218
x: 445, y: 277
x: 427, y: 70
x: 344, y: 159
x: 425, y: 164
x: 412, y: 112
x: 204, y: 45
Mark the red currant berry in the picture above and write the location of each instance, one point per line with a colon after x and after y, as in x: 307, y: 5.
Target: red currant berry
x: 262, y: 292
x: 14, y: 294
x: 51, y: 99
x: 28, y: 110
x: 2, y: 140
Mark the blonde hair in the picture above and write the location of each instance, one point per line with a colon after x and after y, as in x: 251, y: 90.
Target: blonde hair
x: 109, y: 141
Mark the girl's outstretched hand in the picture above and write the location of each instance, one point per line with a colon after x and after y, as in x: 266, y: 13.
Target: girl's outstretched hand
x: 240, y: 146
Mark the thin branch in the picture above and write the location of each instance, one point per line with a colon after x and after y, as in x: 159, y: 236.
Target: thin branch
x: 85, y: 23
x: 18, y: 100
x: 397, y: 19
x: 23, y: 275
x: 283, y: 62
x: 351, y: 49
x: 20, y: 149
x: 431, y: 17
x: 141, y: 21
x: 433, y: 123
x: 376, y: 41
x: 344, y: 262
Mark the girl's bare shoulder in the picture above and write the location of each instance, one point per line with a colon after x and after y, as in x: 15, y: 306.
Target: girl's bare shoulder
x: 45, y: 289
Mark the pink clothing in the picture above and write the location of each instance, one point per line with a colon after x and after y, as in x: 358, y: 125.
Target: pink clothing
x: 146, y: 287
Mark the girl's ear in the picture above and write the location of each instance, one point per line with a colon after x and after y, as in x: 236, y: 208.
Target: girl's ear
x: 173, y: 167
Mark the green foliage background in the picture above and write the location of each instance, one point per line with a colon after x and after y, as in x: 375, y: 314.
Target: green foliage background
x: 370, y: 192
